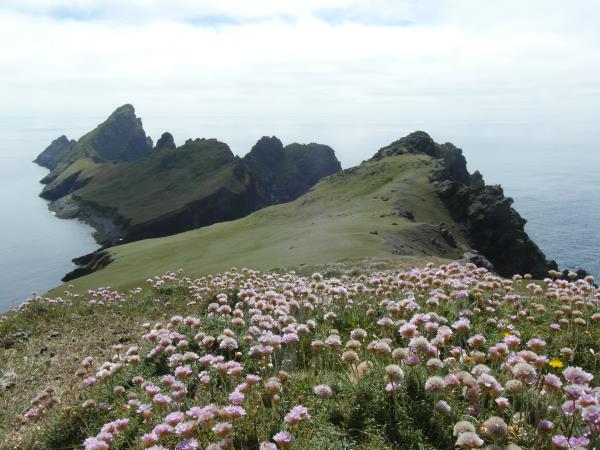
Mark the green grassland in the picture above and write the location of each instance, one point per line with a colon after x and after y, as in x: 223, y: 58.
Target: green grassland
x: 345, y: 216
x: 164, y: 181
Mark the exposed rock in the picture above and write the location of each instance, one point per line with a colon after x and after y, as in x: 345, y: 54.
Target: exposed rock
x: 285, y: 173
x: 121, y: 137
x: 65, y: 208
x: 8, y: 379
x: 60, y: 187
x: 165, y: 141
x: 492, y: 226
x: 474, y: 257
x: 12, y: 340
x: 89, y: 263
x: 52, y: 156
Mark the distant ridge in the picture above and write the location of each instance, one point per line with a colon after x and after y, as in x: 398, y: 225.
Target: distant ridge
x: 414, y: 199
x: 116, y: 181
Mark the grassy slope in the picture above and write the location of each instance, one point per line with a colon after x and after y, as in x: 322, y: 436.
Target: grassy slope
x: 330, y: 223
x: 162, y: 182
x: 85, y: 168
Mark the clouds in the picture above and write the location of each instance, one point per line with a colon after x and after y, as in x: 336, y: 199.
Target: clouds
x: 376, y: 60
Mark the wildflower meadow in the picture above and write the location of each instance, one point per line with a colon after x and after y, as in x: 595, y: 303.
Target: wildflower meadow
x: 440, y: 357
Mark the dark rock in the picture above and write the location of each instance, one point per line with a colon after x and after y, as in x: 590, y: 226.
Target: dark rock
x: 20, y: 336
x: 492, y: 226
x: 165, y: 141
x: 52, y: 156
x: 447, y: 236
x: 285, y: 173
x: 89, y: 263
x: 404, y: 213
x: 474, y: 257
x: 373, y: 232
x: 121, y: 137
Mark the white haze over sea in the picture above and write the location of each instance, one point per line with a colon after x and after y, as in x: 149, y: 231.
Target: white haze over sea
x: 515, y: 84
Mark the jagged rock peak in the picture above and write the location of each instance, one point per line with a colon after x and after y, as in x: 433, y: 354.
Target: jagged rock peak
x: 121, y: 137
x: 127, y: 108
x: 166, y: 141
x: 419, y: 142
x: 51, y: 156
x: 266, y: 154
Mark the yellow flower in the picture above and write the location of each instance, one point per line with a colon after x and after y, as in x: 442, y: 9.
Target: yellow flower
x: 556, y: 363
x: 507, y: 334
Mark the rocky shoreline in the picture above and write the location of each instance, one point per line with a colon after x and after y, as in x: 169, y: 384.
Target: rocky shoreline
x: 106, y: 232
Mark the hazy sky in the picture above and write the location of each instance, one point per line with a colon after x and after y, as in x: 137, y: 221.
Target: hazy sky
x: 358, y: 60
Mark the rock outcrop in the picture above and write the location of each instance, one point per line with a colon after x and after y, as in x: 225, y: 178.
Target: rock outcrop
x: 166, y: 140
x: 492, y: 226
x: 121, y: 137
x: 56, y: 152
x: 89, y: 263
x: 288, y: 172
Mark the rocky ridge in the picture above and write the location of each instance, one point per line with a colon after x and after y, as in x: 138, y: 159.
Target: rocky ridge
x: 492, y: 226
x: 114, y: 180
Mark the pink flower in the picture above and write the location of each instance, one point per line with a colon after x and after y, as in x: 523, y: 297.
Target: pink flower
x: 322, y: 390
x: 90, y: 381
x: 283, y: 438
x: 236, y: 397
x: 162, y: 400
x: 149, y: 439
x: 183, y: 372
x: 222, y: 429
x: 95, y: 444
x: 502, y: 402
x: 296, y: 414
x: 174, y: 418
x: 576, y: 375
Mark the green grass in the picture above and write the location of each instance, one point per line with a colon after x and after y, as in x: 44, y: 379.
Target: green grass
x: 83, y: 169
x: 333, y: 222
x: 163, y: 182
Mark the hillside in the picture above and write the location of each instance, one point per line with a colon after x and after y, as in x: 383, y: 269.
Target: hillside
x: 390, y: 206
x: 130, y: 192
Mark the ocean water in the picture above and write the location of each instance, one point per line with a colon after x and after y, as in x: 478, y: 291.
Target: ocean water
x: 552, y: 170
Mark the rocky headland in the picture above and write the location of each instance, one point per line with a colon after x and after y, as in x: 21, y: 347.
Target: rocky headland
x: 113, y: 179
x: 492, y: 227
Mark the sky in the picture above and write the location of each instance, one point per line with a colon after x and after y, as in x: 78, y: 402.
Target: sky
x: 377, y: 60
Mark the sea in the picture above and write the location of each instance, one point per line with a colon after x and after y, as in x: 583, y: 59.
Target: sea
x: 550, y: 169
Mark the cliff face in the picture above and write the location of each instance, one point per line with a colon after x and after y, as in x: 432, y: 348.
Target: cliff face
x: 56, y: 152
x: 491, y: 225
x: 288, y: 172
x: 121, y: 137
